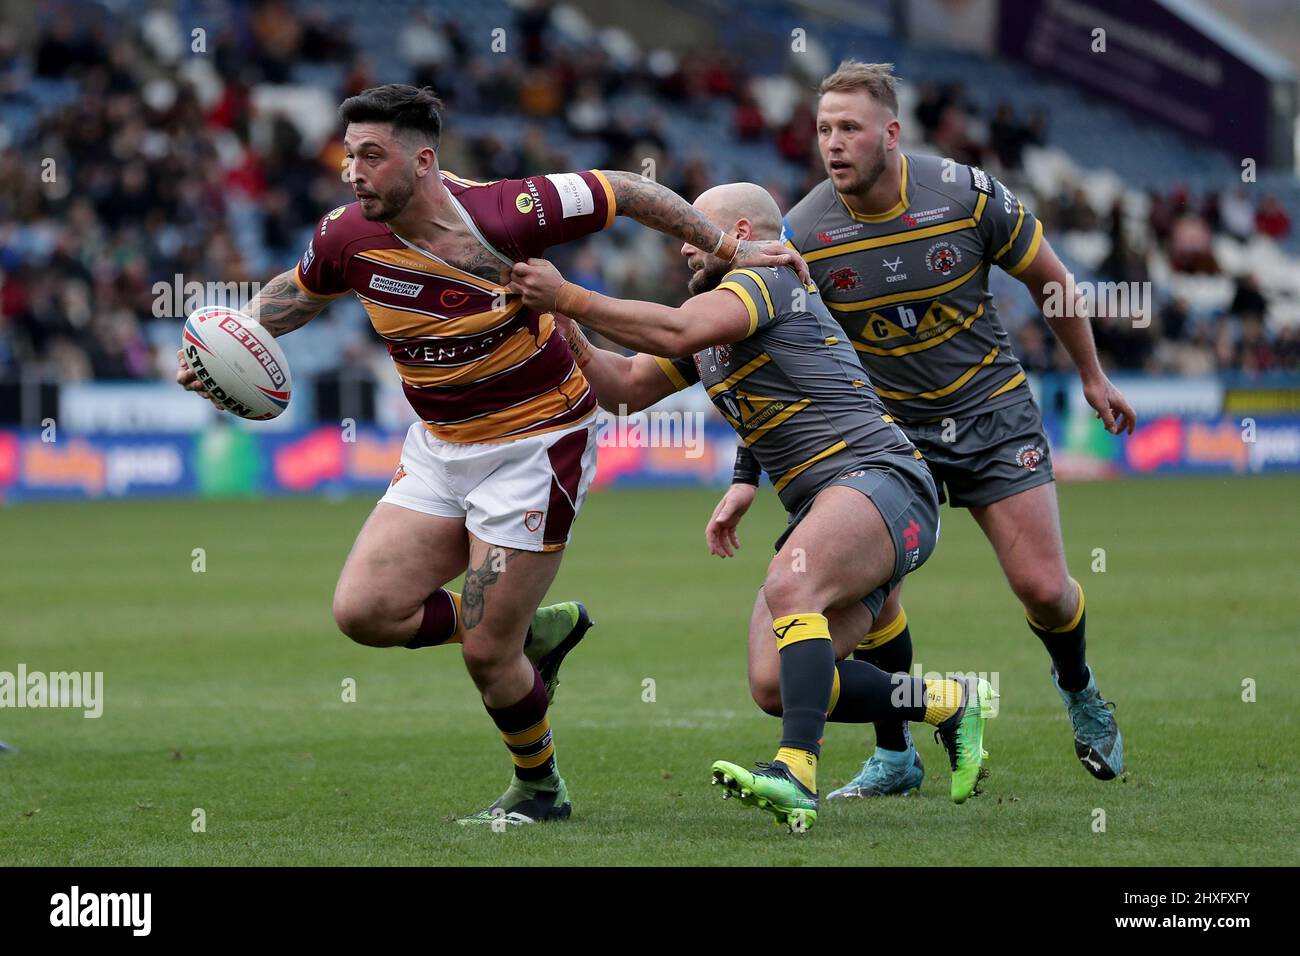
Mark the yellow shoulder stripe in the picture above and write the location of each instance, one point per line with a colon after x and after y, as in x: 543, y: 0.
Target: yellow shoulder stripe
x: 1030, y: 253
x: 762, y: 287
x: 746, y: 298
x: 1020, y: 221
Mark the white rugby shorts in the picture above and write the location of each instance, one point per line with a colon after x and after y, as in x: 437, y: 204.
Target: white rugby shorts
x: 522, y: 494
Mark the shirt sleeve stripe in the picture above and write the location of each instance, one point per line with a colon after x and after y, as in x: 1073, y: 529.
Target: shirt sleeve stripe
x: 612, y: 206
x: 746, y: 298
x: 1030, y: 253
x: 297, y: 280
x: 1020, y: 221
x: 762, y: 287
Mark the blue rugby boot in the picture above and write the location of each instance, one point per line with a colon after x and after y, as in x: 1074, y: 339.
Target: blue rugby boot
x: 1097, y: 741
x: 886, y: 773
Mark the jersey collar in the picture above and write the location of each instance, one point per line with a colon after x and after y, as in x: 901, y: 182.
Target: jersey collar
x: 899, y: 208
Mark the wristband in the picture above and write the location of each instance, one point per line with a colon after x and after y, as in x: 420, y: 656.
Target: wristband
x: 728, y: 246
x: 572, y: 300
x: 746, y: 471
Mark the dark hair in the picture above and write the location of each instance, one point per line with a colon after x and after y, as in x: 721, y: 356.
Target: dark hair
x: 404, y: 107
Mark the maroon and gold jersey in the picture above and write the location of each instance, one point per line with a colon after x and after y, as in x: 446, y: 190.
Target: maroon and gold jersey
x: 476, y: 364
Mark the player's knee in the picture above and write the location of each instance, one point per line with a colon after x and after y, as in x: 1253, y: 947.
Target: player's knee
x: 1045, y: 597
x: 483, y: 658
x: 359, y: 621
x: 789, y: 591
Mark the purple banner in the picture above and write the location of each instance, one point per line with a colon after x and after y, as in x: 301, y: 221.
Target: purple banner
x: 1154, y: 62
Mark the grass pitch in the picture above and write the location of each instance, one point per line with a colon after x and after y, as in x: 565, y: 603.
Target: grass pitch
x: 223, y: 692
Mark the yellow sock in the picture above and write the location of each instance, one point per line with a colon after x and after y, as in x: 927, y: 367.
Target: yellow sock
x: 942, y: 699
x: 459, y: 636
x: 802, y: 763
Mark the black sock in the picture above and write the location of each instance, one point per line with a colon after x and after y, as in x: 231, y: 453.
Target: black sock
x: 807, y: 678
x: 1067, y: 648
x: 892, y: 657
x: 868, y: 694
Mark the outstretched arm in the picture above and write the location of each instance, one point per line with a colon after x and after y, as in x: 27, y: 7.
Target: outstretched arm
x: 660, y: 208
x: 622, y: 383
x: 714, y: 318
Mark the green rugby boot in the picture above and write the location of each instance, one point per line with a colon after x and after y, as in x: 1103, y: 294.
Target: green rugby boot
x: 521, y: 805
x: 771, y: 787
x: 962, y: 735
x: 556, y: 630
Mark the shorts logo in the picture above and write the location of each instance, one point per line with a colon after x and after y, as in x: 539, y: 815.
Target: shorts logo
x: 912, y: 542
x: 845, y: 280
x: 533, y: 519
x: 723, y: 354
x: 524, y: 203
x: 942, y: 257
x: 398, y: 475
x: 1029, y: 456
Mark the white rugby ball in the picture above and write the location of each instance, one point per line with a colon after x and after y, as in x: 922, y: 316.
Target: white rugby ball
x: 238, y: 362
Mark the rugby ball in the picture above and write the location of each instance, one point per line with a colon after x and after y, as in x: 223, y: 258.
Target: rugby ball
x: 238, y: 362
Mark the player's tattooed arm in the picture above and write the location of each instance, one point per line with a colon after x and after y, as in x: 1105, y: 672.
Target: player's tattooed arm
x: 473, y: 598
x: 281, y: 306
x: 660, y: 208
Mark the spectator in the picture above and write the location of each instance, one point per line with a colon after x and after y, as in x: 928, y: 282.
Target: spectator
x: 1272, y: 220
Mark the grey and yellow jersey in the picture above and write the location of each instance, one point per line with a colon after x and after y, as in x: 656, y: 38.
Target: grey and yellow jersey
x: 910, y: 285
x: 793, y: 389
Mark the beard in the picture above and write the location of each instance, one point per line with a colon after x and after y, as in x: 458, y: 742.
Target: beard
x: 875, y: 168
x: 707, y: 278
x: 388, y: 206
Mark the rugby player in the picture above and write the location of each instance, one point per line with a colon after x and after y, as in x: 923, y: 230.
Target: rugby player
x: 492, y: 476
x: 863, y: 509
x: 901, y: 247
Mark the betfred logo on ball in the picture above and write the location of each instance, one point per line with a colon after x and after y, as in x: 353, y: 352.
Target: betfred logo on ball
x: 238, y: 362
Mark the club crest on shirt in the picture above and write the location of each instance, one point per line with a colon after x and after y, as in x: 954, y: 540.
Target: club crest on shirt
x: 845, y: 280
x: 723, y: 354
x: 942, y: 257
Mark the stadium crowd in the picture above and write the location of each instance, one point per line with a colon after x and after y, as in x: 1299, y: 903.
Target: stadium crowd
x: 125, y: 176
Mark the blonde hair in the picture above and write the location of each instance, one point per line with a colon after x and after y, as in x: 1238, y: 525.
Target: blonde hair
x: 875, y: 79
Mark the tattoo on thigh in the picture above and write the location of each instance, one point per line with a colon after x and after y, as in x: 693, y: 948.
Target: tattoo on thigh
x: 473, y: 600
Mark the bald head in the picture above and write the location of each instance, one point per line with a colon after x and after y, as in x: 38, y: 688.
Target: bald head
x: 729, y: 203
